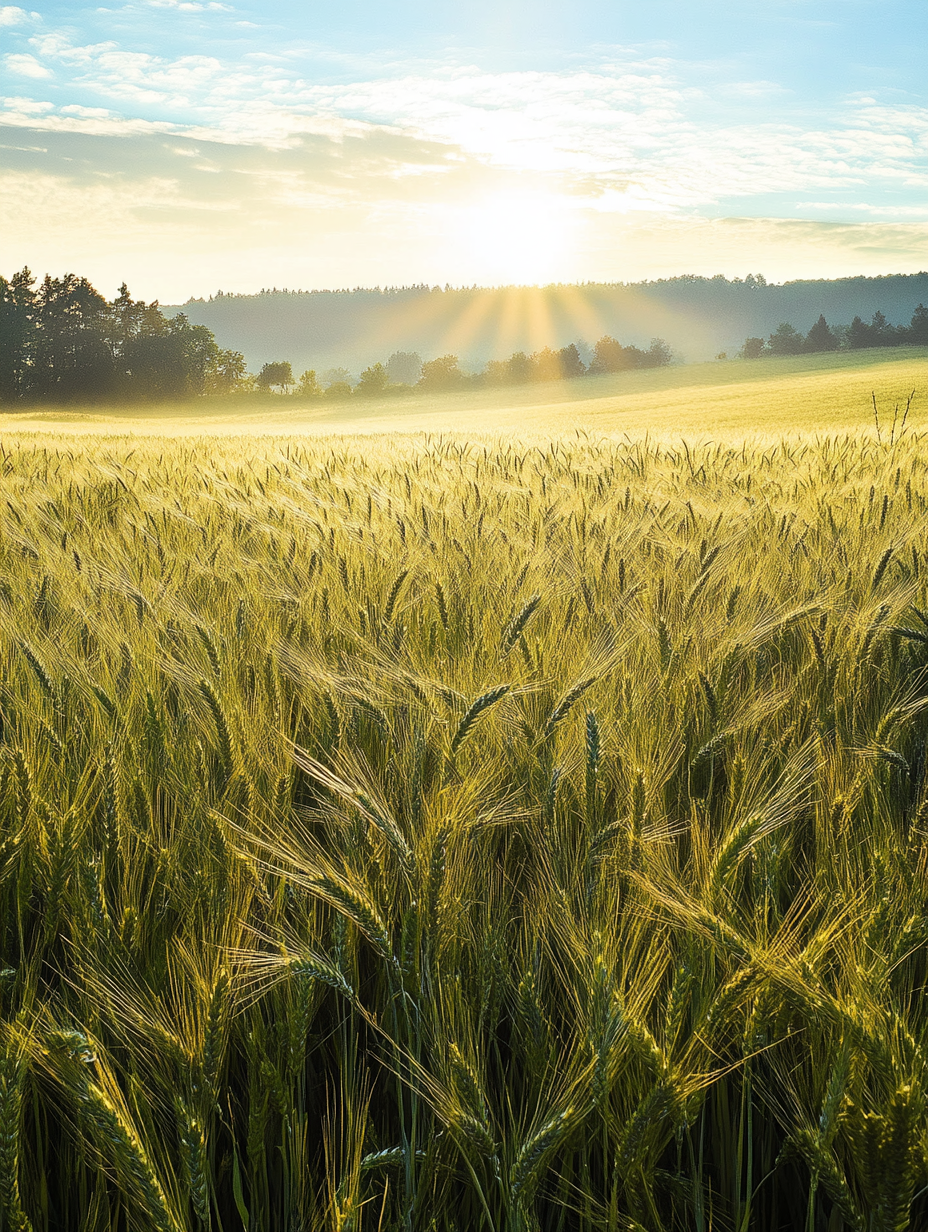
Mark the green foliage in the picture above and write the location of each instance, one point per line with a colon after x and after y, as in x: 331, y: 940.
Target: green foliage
x: 753, y: 348
x: 404, y: 367
x: 820, y: 337
x: 278, y: 374
x: 308, y: 385
x: 337, y: 391
x: 63, y: 342
x: 787, y: 340
x: 611, y: 356
x: 373, y: 381
x: 441, y: 374
x: 421, y: 835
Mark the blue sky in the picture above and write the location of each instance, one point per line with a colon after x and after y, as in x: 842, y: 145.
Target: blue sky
x: 188, y: 144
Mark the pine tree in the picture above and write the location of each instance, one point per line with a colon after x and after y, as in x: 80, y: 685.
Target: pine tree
x: 820, y: 337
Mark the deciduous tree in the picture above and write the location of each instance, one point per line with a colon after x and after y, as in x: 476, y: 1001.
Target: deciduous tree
x: 276, y: 375
x: 404, y: 367
x: 785, y: 340
x: 373, y: 382
x: 442, y: 374
x: 753, y: 348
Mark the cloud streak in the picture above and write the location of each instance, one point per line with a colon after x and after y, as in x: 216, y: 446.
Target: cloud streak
x: 621, y: 137
x: 432, y: 160
x: 362, y: 204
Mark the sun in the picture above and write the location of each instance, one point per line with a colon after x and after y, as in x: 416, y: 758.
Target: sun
x: 517, y: 237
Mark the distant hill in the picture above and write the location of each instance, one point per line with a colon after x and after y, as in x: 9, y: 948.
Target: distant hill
x: 697, y: 316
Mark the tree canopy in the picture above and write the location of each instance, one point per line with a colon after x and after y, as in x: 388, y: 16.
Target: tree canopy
x: 278, y: 374
x: 64, y: 342
x: 787, y: 340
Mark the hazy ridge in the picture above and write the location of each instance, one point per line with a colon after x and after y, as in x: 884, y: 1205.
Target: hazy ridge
x: 697, y: 316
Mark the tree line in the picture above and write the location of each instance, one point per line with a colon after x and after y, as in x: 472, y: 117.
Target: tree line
x: 787, y: 340
x: 406, y: 372
x: 65, y: 342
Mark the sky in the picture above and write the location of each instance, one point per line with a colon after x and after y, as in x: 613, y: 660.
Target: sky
x: 188, y: 146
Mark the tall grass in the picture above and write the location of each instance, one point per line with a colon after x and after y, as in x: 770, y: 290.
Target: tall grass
x: 432, y: 835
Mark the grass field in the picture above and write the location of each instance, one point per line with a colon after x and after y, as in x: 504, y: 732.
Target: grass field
x: 424, y: 833
x: 763, y: 397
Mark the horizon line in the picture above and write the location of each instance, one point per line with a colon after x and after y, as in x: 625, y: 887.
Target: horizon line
x: 758, y: 282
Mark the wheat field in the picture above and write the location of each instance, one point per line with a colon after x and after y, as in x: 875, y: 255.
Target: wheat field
x: 443, y: 835
x: 770, y: 397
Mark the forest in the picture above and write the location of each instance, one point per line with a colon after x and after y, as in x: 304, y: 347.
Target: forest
x: 697, y: 316
x: 787, y: 340
x: 64, y: 342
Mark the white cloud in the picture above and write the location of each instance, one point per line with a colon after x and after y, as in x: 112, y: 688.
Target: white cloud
x: 26, y: 66
x: 624, y: 136
x: 188, y: 6
x: 86, y: 113
x: 24, y: 108
x: 858, y: 207
x: 12, y: 16
x: 611, y: 149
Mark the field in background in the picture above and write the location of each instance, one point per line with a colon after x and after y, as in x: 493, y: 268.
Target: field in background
x: 718, y: 400
x: 432, y: 835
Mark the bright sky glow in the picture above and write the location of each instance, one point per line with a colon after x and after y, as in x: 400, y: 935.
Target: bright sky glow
x: 188, y: 145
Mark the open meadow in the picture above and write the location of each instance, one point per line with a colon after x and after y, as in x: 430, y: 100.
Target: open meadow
x: 762, y: 397
x: 444, y: 833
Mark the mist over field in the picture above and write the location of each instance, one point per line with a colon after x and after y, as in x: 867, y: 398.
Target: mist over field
x: 698, y: 317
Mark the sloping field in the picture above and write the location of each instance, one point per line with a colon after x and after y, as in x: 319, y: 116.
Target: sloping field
x: 768, y: 397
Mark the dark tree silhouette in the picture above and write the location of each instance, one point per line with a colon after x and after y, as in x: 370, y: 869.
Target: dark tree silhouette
x: 18, y: 309
x: 64, y: 342
x: 820, y: 337
x: 71, y: 360
x: 373, y: 382
x: 172, y: 359
x: 860, y: 335
x: 278, y: 374
x: 918, y: 328
x: 785, y: 340
x: 753, y: 348
x: 879, y: 333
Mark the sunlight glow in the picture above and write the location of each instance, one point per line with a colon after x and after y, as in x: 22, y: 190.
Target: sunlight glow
x: 518, y: 237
